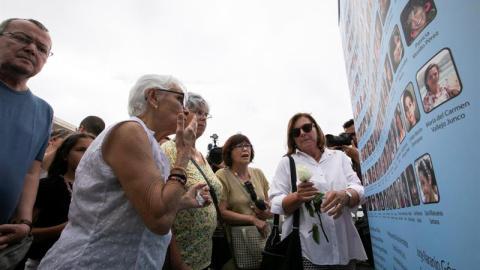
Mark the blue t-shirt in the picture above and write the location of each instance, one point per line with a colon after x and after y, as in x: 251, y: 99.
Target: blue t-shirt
x: 25, y: 124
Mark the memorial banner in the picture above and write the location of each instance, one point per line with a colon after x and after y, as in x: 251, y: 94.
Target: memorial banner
x: 413, y: 76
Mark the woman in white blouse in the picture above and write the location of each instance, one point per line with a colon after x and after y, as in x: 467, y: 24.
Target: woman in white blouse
x: 337, y: 244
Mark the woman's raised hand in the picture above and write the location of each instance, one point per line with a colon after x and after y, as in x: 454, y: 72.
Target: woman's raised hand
x: 184, y: 139
x: 185, y: 135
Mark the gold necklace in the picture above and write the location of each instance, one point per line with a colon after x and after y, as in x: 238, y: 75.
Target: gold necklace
x: 242, y: 178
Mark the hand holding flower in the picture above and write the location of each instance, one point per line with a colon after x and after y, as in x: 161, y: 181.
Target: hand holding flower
x: 312, y: 199
x: 306, y: 192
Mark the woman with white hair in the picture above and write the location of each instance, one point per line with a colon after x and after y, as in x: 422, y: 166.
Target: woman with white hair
x: 125, y: 195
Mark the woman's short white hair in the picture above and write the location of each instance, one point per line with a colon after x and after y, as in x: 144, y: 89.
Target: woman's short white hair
x: 137, y: 103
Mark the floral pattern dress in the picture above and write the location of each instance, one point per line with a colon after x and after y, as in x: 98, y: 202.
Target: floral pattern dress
x: 430, y: 101
x: 193, y: 228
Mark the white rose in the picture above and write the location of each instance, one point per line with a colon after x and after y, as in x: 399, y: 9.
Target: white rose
x: 304, y: 173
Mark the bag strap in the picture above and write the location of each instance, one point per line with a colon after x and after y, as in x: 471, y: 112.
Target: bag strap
x: 293, y: 176
x: 242, y: 187
x: 296, y: 214
x: 211, y: 189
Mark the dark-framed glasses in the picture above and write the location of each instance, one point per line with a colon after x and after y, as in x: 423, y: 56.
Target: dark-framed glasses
x: 240, y: 146
x: 201, y: 113
x: 181, y: 95
x: 23, y: 39
x: 306, y: 128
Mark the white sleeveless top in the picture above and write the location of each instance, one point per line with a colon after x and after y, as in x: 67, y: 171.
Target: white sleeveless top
x: 104, y: 230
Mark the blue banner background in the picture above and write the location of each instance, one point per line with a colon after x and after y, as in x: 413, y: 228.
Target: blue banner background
x: 443, y: 234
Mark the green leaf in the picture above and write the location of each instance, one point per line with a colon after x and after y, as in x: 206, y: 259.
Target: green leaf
x: 318, y: 197
x: 309, y: 207
x: 316, y: 233
x: 317, y: 202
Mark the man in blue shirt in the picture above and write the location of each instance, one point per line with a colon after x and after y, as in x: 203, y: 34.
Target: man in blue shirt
x: 25, y: 122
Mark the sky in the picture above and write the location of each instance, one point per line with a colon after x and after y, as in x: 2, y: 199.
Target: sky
x: 257, y: 63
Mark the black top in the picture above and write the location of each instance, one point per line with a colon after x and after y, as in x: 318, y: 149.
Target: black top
x: 53, y: 200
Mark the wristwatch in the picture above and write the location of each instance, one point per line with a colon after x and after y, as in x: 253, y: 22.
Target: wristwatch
x: 349, y: 196
x: 23, y: 221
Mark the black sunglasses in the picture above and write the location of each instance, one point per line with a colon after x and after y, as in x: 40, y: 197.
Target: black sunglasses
x: 306, y: 128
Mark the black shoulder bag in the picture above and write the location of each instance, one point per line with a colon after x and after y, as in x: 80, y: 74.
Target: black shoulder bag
x: 285, y: 254
x: 221, y: 253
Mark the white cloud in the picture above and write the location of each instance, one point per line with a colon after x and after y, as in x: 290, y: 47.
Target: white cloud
x: 256, y: 62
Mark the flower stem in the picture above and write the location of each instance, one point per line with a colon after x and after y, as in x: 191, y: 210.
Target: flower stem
x: 321, y: 226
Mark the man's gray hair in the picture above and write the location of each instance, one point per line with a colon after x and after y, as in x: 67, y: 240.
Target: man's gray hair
x: 7, y: 22
x: 137, y: 103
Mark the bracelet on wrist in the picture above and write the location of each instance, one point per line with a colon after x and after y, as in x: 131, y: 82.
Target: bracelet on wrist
x: 178, y: 169
x: 23, y: 221
x: 184, y: 177
x: 178, y: 179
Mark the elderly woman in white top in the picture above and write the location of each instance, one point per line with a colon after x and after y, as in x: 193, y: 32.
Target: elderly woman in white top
x: 333, y: 176
x: 126, y: 196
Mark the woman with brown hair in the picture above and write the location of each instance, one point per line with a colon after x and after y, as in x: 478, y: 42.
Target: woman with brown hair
x: 338, y: 246
x: 245, y: 198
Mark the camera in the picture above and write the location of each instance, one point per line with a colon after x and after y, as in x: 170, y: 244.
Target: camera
x: 214, y: 152
x: 260, y: 204
x: 342, y: 139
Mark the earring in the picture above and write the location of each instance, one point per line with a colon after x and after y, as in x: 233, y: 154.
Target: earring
x: 156, y: 107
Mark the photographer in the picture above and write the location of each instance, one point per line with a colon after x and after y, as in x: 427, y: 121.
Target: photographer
x: 351, y: 150
x: 346, y: 142
x: 214, y: 156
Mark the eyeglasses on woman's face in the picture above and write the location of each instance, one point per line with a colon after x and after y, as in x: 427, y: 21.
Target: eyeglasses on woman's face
x: 201, y: 113
x: 180, y: 95
x: 241, y: 146
x: 306, y: 128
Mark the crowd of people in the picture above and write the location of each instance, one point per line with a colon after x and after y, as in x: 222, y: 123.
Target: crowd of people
x: 129, y: 196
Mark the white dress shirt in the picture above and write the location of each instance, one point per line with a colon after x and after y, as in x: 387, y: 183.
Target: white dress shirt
x: 332, y: 172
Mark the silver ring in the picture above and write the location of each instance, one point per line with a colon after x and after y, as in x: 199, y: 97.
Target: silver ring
x: 340, y: 205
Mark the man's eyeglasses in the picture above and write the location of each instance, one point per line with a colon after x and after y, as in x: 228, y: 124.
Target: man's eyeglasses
x: 26, y: 40
x: 240, y: 147
x: 200, y: 113
x: 306, y: 128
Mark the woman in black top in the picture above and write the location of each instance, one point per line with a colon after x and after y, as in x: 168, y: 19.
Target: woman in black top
x: 54, y: 194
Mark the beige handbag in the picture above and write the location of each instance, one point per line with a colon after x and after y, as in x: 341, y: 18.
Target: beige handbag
x: 247, y: 245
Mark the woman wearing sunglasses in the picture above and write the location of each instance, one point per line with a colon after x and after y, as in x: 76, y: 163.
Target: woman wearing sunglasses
x: 338, y: 246
x: 245, y: 198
